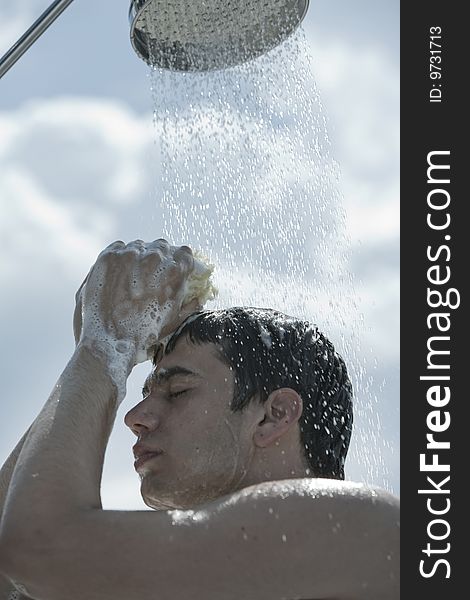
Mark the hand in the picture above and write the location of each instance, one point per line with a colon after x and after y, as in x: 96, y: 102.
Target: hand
x: 134, y: 296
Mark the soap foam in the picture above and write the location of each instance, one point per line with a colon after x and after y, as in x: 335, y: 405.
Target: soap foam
x: 146, y: 325
x: 199, y: 286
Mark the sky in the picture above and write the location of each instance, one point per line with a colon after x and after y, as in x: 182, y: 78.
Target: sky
x: 78, y: 171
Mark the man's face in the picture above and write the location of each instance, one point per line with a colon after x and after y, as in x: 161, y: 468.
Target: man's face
x: 206, y: 448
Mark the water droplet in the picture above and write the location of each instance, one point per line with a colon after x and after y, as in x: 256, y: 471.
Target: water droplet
x: 241, y: 154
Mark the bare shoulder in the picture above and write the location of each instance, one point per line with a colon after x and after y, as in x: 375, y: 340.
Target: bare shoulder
x: 340, y: 538
x: 315, y: 488
x: 289, y: 539
x: 316, y: 496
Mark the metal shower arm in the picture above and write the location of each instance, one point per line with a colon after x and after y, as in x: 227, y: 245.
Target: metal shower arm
x: 33, y: 33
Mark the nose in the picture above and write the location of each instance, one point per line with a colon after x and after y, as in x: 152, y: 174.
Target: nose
x: 142, y: 419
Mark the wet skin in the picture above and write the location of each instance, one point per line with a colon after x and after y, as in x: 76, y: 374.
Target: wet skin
x: 208, y: 450
x: 246, y: 529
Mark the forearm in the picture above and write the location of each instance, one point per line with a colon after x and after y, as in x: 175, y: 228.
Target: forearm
x: 7, y: 471
x: 7, y: 588
x: 61, y: 461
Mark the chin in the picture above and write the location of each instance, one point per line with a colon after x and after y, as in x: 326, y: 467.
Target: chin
x: 155, y: 497
x: 185, y: 498
x: 157, y: 504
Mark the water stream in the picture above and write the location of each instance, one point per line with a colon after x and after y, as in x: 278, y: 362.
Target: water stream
x: 248, y: 178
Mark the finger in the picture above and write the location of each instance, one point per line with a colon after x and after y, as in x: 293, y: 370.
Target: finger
x: 113, y: 247
x: 186, y: 249
x: 176, y: 274
x: 160, y: 247
x: 149, y: 262
x: 160, y: 244
x: 150, y: 269
x: 138, y: 245
x: 184, y: 257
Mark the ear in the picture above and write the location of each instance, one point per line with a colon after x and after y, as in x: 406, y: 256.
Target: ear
x: 282, y: 411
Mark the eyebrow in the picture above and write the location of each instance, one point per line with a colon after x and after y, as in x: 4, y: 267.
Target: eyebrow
x: 166, y: 374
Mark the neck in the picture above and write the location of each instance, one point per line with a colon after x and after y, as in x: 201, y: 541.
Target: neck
x: 274, y: 464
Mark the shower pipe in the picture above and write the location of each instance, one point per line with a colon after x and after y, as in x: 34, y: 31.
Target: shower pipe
x: 34, y: 32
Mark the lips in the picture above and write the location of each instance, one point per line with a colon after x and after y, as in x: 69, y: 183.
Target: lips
x: 144, y: 453
x: 141, y: 460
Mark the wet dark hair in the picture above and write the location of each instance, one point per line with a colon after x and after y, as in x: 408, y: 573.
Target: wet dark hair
x: 267, y: 350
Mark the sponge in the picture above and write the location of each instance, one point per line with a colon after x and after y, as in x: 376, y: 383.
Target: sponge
x: 199, y: 285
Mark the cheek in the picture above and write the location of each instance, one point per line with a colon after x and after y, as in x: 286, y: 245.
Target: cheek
x: 223, y: 439
x: 208, y: 440
x: 202, y: 430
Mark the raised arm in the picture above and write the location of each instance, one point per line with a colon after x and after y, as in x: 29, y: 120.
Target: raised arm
x: 7, y: 471
x: 7, y: 590
x: 133, y: 295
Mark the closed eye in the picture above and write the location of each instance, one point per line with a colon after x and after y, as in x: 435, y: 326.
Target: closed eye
x: 176, y: 394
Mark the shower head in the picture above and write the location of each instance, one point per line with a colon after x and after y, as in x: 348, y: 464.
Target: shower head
x: 206, y: 35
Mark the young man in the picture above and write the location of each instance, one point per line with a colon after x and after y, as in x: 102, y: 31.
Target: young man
x: 242, y: 436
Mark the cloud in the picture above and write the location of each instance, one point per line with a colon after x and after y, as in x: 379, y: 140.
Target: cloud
x: 88, y: 150
x: 35, y: 225
x: 67, y: 166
